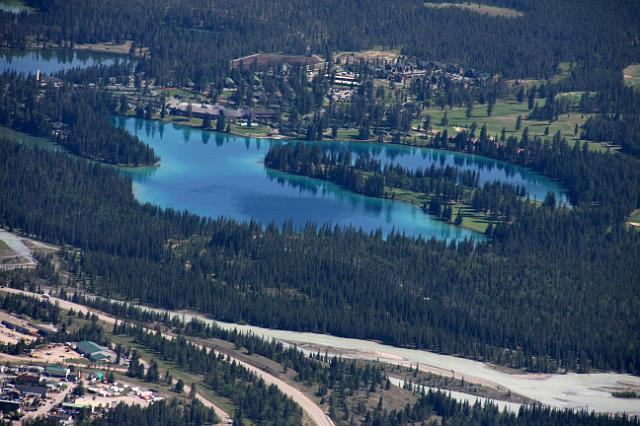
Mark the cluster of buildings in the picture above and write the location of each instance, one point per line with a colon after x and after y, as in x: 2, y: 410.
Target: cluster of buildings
x: 402, y: 70
x: 33, y: 388
x: 28, y: 391
x: 26, y: 388
x: 233, y: 115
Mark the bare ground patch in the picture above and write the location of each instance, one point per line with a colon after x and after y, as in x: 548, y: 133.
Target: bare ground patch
x: 367, y: 55
x: 481, y: 9
x: 632, y: 75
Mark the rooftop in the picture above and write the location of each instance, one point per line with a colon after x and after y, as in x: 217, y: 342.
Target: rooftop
x: 88, y: 347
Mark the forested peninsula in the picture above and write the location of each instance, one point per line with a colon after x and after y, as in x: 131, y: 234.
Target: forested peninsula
x: 552, y: 289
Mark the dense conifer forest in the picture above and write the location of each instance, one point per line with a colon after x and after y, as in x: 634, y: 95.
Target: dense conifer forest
x: 432, y: 407
x: 449, y: 300
x: 552, y: 288
x: 163, y: 413
x: 183, y: 32
x: 76, y: 119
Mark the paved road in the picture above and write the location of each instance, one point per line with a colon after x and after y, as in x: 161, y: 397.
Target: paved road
x: 315, y: 413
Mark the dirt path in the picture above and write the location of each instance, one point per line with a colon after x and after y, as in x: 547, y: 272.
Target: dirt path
x: 313, y: 411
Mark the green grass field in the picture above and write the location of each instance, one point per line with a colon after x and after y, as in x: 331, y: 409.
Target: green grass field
x: 505, y: 114
x: 185, y: 94
x: 176, y: 372
x: 29, y: 140
x: 259, y: 131
x: 348, y: 134
x: 564, y: 71
x: 471, y: 220
x: 183, y: 121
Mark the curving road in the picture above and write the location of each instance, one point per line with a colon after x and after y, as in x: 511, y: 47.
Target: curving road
x: 312, y: 410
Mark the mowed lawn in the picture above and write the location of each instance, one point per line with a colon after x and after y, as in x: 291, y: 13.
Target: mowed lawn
x: 505, y: 115
x: 252, y: 131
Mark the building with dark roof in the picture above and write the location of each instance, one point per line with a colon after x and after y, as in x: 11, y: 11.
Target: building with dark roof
x: 32, y: 390
x: 27, y: 379
x: 7, y: 406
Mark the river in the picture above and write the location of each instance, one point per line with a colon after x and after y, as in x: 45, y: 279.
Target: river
x: 591, y: 392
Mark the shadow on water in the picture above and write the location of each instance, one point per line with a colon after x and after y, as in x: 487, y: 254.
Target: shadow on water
x: 305, y: 185
x: 50, y: 61
x: 219, y: 174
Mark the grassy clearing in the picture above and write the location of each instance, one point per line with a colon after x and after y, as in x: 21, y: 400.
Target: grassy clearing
x: 184, y: 121
x: 481, y: 9
x: 107, y: 47
x: 471, y: 220
x: 564, y: 71
x: 348, y: 134
x: 505, y: 114
x: 176, y: 372
x: 27, y: 139
x: 385, y: 55
x: 258, y: 131
x: 185, y: 95
x: 632, y: 75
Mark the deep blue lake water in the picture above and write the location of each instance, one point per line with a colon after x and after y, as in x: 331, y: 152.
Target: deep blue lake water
x: 217, y: 174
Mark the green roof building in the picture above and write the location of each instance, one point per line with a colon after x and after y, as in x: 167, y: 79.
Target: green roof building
x: 100, y: 357
x: 87, y: 347
x: 94, y: 351
x: 55, y: 370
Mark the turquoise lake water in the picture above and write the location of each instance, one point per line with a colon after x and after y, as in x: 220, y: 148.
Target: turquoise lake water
x: 49, y: 61
x: 216, y: 174
x: 13, y: 7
